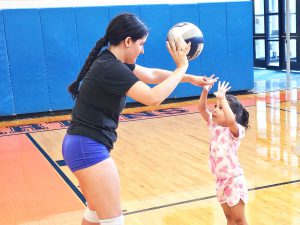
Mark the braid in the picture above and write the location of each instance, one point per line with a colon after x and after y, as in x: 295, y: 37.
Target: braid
x: 74, y: 87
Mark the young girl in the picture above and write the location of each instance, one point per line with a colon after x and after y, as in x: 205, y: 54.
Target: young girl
x: 227, y: 124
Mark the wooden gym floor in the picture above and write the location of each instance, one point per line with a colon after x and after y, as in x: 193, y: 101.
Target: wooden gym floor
x: 162, y: 157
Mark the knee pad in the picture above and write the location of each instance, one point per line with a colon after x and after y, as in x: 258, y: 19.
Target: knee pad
x: 90, y: 215
x: 114, y: 221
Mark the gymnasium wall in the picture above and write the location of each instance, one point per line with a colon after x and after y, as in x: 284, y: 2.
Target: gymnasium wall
x: 42, y: 49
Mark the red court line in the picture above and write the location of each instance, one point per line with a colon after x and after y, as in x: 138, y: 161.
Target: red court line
x: 30, y: 189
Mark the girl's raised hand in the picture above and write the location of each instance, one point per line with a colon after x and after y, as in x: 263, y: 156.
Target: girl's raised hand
x: 223, y: 87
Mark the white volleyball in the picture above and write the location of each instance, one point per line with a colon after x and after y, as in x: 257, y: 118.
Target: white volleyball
x: 190, y: 33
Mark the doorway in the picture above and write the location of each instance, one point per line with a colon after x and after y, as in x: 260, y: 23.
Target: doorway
x: 269, y: 34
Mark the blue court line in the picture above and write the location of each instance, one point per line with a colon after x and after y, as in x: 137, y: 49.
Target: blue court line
x: 81, y: 197
x: 61, y: 162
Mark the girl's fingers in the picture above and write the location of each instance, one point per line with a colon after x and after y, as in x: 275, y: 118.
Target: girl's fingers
x: 224, y: 83
x: 227, y: 84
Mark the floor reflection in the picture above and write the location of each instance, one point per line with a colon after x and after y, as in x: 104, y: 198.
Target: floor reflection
x: 278, y: 131
x: 275, y: 84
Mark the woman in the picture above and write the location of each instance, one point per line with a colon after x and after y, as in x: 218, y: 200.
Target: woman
x: 107, y: 77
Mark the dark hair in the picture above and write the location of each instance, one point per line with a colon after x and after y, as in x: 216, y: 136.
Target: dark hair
x: 122, y: 26
x: 241, y: 114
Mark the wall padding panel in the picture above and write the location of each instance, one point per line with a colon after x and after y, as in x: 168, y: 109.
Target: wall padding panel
x: 213, y: 24
x: 240, y: 45
x: 91, y: 23
x: 6, y: 100
x: 26, y: 60
x: 158, y: 20
x: 61, y: 54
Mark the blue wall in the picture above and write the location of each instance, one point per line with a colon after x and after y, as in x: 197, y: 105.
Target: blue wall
x: 42, y: 50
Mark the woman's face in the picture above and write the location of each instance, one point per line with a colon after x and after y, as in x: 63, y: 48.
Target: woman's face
x: 134, y: 49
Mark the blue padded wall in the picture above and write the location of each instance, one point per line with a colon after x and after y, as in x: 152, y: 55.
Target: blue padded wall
x: 42, y: 50
x: 26, y: 60
x: 158, y: 20
x: 91, y: 25
x: 6, y: 100
x: 240, y: 47
x: 61, y: 54
x: 213, y: 24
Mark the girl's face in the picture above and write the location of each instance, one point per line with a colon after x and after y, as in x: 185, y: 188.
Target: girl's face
x: 218, y: 116
x: 134, y: 49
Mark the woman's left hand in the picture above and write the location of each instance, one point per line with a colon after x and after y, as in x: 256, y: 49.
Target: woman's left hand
x: 203, y: 80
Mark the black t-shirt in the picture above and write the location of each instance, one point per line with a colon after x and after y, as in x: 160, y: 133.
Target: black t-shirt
x: 101, y: 99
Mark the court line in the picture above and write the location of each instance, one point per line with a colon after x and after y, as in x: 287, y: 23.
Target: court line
x: 56, y: 167
x: 59, y: 163
x: 81, y: 197
x: 286, y: 110
x: 207, y: 197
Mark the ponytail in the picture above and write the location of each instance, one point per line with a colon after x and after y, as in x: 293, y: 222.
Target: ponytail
x: 245, y: 118
x: 74, y: 87
x: 122, y: 26
x: 241, y: 114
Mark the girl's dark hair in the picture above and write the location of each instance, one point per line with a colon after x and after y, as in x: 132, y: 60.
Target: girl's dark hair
x: 122, y: 26
x: 241, y: 114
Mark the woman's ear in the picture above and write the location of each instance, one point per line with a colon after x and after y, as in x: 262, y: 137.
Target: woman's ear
x: 127, y: 42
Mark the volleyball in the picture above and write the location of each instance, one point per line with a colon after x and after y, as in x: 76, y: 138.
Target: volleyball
x: 190, y: 33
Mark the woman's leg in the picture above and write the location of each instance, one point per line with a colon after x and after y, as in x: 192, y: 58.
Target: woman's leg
x: 101, y: 187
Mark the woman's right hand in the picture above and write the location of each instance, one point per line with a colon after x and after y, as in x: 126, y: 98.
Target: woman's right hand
x: 179, y: 50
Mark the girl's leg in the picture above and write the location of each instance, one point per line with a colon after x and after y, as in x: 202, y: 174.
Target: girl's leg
x: 101, y: 188
x: 228, y: 214
x: 238, y: 213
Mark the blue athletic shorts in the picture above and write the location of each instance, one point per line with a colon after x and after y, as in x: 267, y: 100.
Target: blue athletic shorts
x: 80, y: 152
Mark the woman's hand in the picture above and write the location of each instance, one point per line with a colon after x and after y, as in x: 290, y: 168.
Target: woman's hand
x: 178, y: 50
x: 203, y: 81
x: 222, y: 89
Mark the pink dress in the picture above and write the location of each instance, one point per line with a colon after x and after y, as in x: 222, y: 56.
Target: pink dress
x: 224, y: 164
